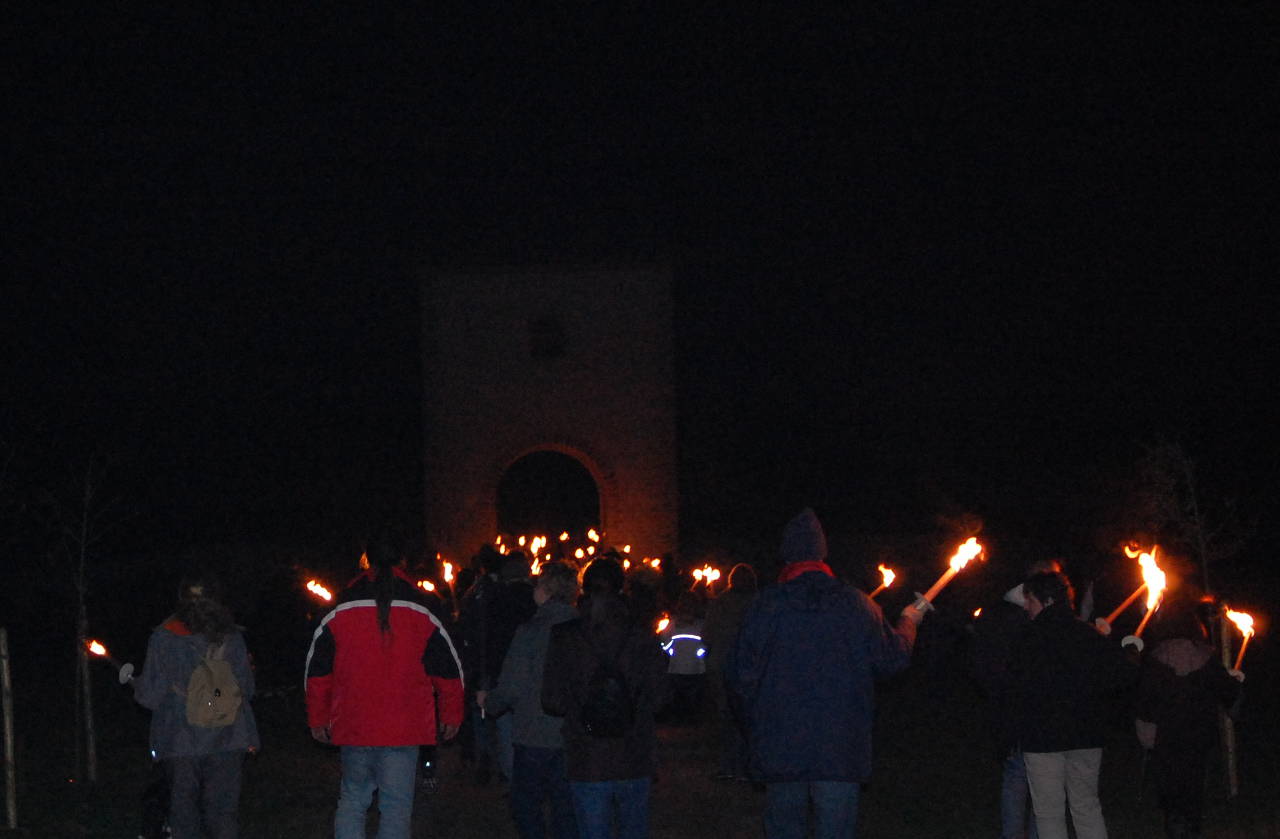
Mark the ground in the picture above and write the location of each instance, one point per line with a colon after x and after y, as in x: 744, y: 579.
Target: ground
x: 934, y: 776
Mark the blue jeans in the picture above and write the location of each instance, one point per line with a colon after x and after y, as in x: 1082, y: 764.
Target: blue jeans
x: 835, y: 810
x: 1016, y: 820
x: 204, y: 789
x: 597, y: 803
x: 540, y: 775
x: 388, y: 769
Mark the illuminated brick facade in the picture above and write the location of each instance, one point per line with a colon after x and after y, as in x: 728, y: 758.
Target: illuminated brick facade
x: 577, y: 361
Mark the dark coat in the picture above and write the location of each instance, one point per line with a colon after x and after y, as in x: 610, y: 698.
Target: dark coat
x: 606, y: 631
x: 803, y: 672
x: 1068, y: 683
x: 995, y: 634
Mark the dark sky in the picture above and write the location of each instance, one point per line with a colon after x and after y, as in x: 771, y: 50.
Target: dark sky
x: 927, y: 258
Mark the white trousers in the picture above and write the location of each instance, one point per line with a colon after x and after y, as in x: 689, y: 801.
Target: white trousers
x: 1059, y: 779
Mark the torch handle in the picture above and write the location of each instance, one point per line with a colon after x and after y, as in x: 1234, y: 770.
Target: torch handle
x: 1145, y: 618
x: 879, y: 589
x: 940, y: 584
x: 1111, y: 618
x: 1240, y: 655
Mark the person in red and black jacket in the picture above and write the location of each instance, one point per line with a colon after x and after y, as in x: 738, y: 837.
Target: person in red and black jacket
x: 382, y: 679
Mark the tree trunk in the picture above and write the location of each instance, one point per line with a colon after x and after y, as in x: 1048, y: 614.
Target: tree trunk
x: 1228, y: 725
x: 10, y: 756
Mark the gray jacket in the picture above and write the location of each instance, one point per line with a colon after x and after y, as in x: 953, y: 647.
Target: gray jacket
x: 520, y: 684
x: 172, y: 654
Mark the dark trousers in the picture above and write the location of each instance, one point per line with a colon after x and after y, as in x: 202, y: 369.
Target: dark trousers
x: 541, y: 776
x: 204, y: 789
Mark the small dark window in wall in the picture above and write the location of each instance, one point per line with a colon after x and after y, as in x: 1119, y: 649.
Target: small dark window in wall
x: 546, y: 337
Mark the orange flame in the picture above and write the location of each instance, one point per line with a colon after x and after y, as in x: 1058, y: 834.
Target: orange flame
x: 96, y: 647
x: 446, y: 571
x: 663, y: 623
x: 888, y: 575
x: 318, y: 590
x: 1243, y: 622
x: 537, y: 566
x: 564, y: 536
x: 579, y: 553
x: 626, y: 549
x: 1153, y: 577
x: 655, y: 563
x: 364, y: 561
x: 977, y: 612
x: 426, y: 585
x: 967, y: 551
x: 626, y: 565
x: 592, y: 535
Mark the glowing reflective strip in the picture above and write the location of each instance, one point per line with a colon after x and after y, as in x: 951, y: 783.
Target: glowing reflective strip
x: 674, y: 638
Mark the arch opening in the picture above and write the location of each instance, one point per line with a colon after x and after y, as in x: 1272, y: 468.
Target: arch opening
x: 547, y: 492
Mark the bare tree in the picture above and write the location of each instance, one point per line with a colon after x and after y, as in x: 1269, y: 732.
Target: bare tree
x: 81, y: 524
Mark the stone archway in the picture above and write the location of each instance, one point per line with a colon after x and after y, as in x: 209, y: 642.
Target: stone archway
x: 546, y: 492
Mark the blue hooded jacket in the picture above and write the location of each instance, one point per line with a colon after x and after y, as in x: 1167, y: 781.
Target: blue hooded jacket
x: 804, y: 667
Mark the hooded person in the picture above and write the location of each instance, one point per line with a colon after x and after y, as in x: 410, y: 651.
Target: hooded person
x: 802, y: 674
x: 202, y: 757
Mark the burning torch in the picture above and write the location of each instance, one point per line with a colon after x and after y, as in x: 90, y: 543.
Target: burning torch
x: 888, y: 576
x: 967, y: 551
x: 124, y: 672
x: 1146, y: 561
x: 1243, y: 622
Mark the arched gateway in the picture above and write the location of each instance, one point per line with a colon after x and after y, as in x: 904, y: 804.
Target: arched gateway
x: 550, y: 401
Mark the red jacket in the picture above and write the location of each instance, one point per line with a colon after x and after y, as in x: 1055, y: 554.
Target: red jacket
x: 372, y: 688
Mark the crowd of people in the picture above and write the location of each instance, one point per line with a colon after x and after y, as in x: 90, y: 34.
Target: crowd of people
x: 555, y: 685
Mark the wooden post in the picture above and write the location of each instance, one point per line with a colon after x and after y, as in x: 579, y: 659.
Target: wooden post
x: 10, y: 756
x: 1228, y: 725
x: 90, y: 735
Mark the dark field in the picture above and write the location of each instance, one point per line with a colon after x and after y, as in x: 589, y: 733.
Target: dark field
x: 934, y: 776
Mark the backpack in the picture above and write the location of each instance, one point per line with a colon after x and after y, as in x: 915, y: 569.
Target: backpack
x: 608, y: 708
x: 213, y: 694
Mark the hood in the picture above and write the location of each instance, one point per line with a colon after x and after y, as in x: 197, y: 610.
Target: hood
x: 803, y: 539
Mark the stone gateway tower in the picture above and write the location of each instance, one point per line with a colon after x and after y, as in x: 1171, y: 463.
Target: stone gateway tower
x: 550, y: 404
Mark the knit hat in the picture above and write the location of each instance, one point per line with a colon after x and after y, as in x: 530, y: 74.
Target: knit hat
x: 803, y: 539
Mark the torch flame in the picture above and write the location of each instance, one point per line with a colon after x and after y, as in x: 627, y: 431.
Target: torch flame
x: 564, y: 536
x: 96, y: 648
x: 318, y: 590
x: 965, y: 552
x: 364, y: 561
x: 537, y: 566
x: 426, y: 585
x: 887, y: 574
x: 977, y: 613
x: 626, y: 549
x: 1153, y: 577
x: 447, y: 571
x: 655, y: 563
x: 1243, y: 622
x: 592, y: 535
x: 579, y: 553
x: 663, y: 623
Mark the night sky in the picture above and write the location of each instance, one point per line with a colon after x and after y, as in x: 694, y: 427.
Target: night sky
x: 928, y: 260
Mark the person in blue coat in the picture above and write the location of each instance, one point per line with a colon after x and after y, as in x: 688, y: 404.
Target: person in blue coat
x: 802, y: 675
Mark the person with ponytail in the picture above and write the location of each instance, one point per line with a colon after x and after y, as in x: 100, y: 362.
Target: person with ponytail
x: 382, y: 679
x: 202, y: 760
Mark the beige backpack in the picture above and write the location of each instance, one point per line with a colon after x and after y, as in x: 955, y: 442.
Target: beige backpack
x: 213, y: 694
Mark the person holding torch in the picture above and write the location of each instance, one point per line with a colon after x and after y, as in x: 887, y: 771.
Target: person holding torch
x: 201, y: 751
x: 1066, y: 682
x: 802, y: 677
x: 1182, y: 687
